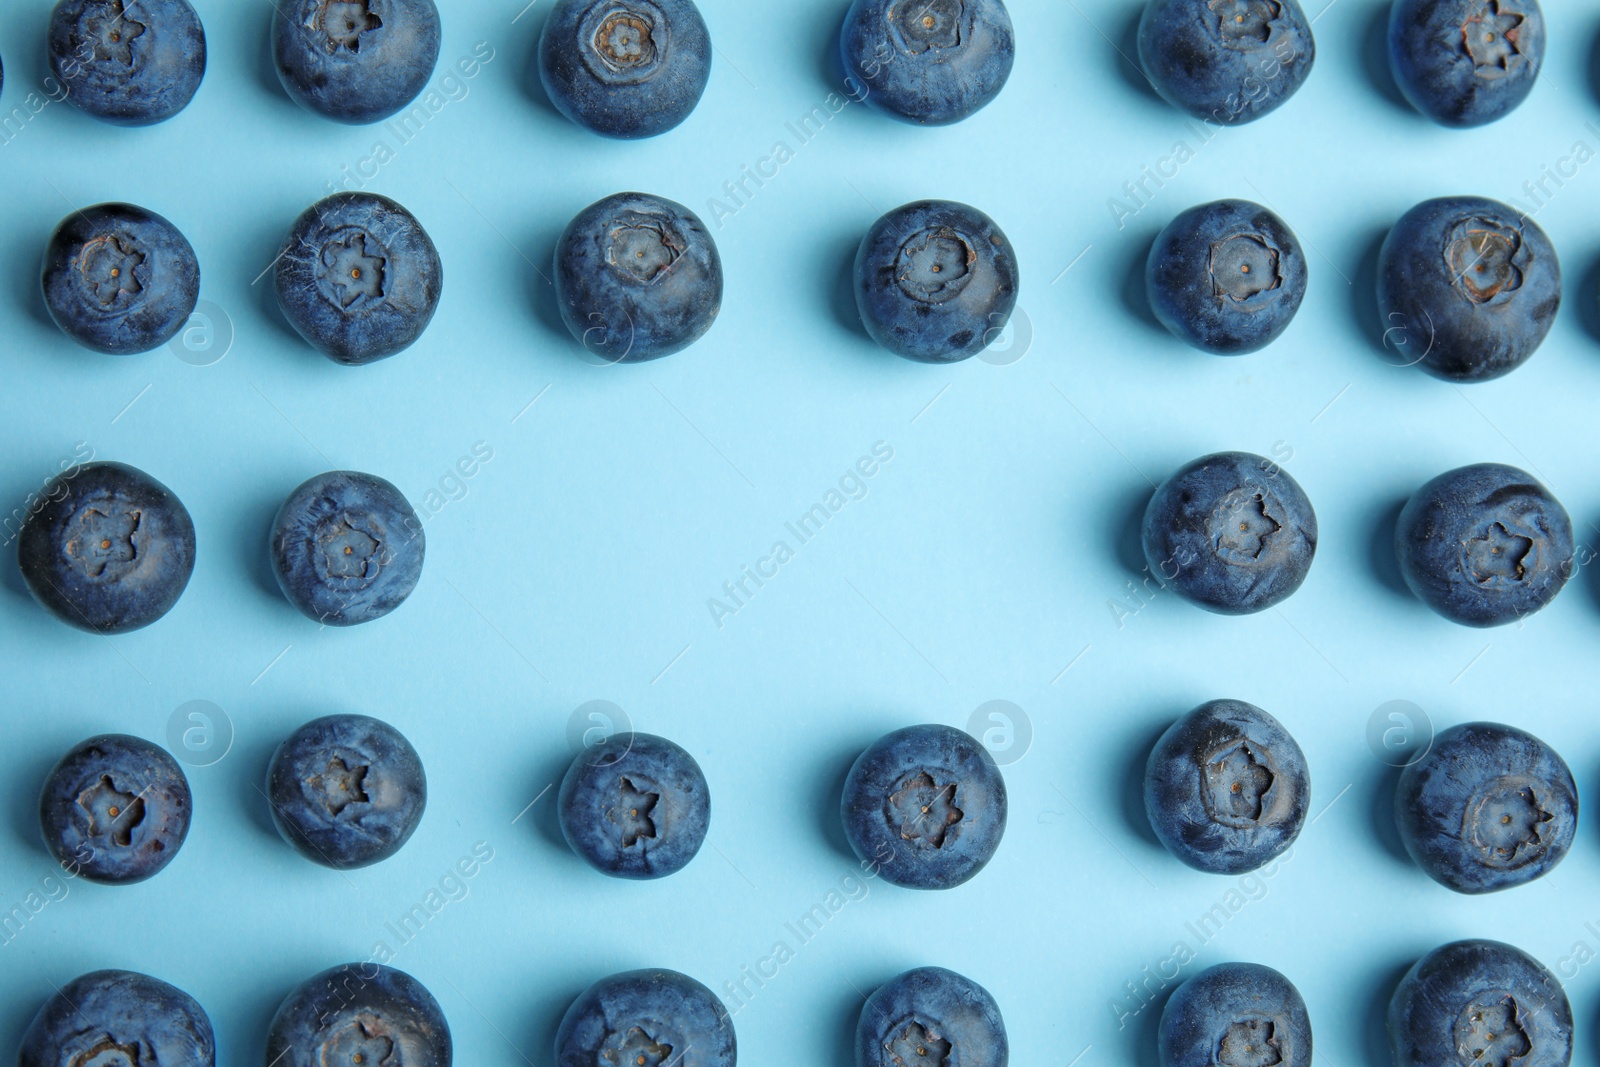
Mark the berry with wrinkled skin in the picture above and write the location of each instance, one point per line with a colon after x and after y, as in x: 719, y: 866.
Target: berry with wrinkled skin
x: 128, y: 62
x: 1226, y: 788
x: 115, y: 810
x: 931, y: 1017
x: 1226, y: 277
x: 1487, y: 808
x: 935, y: 281
x: 112, y: 1018
x: 1226, y: 61
x: 1465, y: 63
x: 359, y: 1013
x: 636, y: 807
x: 1231, y: 532
x: 111, y: 549
x: 355, y: 61
x: 658, y: 1018
x: 1471, y: 287
x: 1484, y: 545
x: 1480, y: 1004
x: 346, y: 791
x: 1236, y: 1015
x: 928, y: 62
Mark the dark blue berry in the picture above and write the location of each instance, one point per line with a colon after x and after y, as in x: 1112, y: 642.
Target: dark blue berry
x: 359, y: 278
x: 110, y: 1018
x: 110, y: 550
x: 346, y: 791
x: 1236, y: 1015
x: 625, y: 68
x: 115, y: 810
x: 658, y: 1018
x: 1466, y: 62
x: 1231, y: 532
x: 637, y: 277
x: 120, y: 279
x: 355, y: 61
x: 1473, y: 1003
x: 1226, y: 61
x: 925, y: 806
x: 128, y: 62
x: 931, y: 1017
x: 636, y: 807
x: 1226, y: 788
x: 346, y: 548
x: 1227, y: 277
x: 936, y: 281
x: 360, y: 1013
x: 931, y: 62
x: 1484, y: 545
x: 1487, y: 808
x: 1473, y: 284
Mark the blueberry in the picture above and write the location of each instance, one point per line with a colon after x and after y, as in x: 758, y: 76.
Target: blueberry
x: 359, y: 1013
x: 1226, y: 788
x: 1240, y: 1014
x: 107, y: 1018
x: 128, y: 62
x: 936, y: 281
x: 931, y: 1017
x: 355, y: 61
x: 1469, y: 284
x: 652, y: 1017
x: 1231, y: 532
x: 346, y: 791
x: 1480, y: 1002
x: 120, y: 279
x: 625, y: 68
x: 1226, y: 277
x: 931, y: 62
x: 636, y: 807
x: 926, y: 806
x: 109, y: 550
x: 359, y: 278
x: 115, y: 810
x: 637, y: 277
x: 1466, y: 62
x: 1487, y: 808
x: 1226, y: 61
x: 346, y: 548
x: 1484, y: 545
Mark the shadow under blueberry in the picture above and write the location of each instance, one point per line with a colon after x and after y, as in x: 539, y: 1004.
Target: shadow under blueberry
x: 852, y: 999
x: 1364, y: 297
x: 830, y: 67
x: 1587, y: 298
x: 544, y: 815
x: 254, y: 541
x: 255, y: 756
x: 1126, y: 37
x: 263, y: 283
x: 1375, y: 57
x: 842, y: 297
x: 1135, y: 293
x: 267, y: 79
x: 1382, y: 808
x: 1130, y: 538
x: 544, y: 1025
x: 539, y: 250
x: 1594, y: 63
x: 1133, y: 809
x: 532, y: 83
x: 1380, y: 550
x: 22, y: 792
x: 1383, y: 985
x: 832, y: 775
x: 1142, y: 1034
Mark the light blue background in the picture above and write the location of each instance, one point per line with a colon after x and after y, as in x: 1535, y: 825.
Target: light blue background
x: 982, y: 563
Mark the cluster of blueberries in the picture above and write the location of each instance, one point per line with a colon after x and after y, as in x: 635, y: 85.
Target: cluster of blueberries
x: 109, y: 549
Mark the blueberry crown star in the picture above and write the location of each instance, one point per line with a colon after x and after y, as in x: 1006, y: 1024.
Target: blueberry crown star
x: 634, y: 812
x: 344, y: 21
x: 637, y: 1049
x: 915, y: 1045
x: 112, y: 813
x: 924, y: 811
x: 340, y: 785
x: 111, y: 32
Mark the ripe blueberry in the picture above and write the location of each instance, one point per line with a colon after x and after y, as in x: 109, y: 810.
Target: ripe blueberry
x: 936, y: 281
x: 636, y: 807
x: 115, y: 810
x: 931, y: 62
x: 119, y: 279
x: 109, y: 1018
x: 1227, y: 277
x: 625, y: 68
x: 1471, y: 286
x: 931, y: 1017
x: 1231, y: 532
x: 1235, y: 1014
x: 359, y: 278
x: 128, y: 62
x: 360, y: 1013
x: 346, y: 791
x: 651, y: 1017
x: 1487, y: 808
x: 1484, y: 545
x: 926, y: 805
x: 637, y: 277
x: 346, y: 548
x: 1226, y: 61
x: 1480, y: 1003
x: 1226, y: 788
x: 355, y: 61
x: 1466, y: 62
x: 110, y: 550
